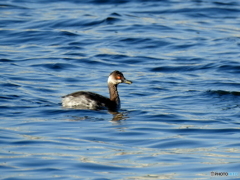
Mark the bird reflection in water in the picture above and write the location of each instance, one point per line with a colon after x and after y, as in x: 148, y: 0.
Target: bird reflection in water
x: 93, y: 101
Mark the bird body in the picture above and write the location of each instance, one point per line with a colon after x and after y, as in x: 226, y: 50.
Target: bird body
x: 90, y: 100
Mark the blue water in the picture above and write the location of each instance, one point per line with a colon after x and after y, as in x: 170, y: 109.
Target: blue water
x: 180, y: 119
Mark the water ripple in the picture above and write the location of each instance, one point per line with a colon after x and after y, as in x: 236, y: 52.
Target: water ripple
x: 179, y: 118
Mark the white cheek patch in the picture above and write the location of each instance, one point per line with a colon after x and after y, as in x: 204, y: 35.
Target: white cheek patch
x: 119, y: 80
x: 111, y: 80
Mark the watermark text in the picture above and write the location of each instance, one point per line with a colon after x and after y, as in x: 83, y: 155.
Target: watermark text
x: 223, y: 174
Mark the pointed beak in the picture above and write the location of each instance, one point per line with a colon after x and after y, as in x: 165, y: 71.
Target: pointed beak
x: 127, y: 81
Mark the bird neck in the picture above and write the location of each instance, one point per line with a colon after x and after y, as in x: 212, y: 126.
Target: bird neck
x: 114, y: 97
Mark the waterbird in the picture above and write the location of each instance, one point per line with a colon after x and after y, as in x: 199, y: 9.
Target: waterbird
x: 90, y: 100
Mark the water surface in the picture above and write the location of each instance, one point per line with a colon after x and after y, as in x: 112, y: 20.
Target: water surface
x: 179, y: 118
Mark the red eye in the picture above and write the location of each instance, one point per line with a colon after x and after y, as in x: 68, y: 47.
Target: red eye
x: 118, y: 77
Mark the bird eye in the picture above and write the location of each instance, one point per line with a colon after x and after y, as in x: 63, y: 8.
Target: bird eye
x: 118, y: 77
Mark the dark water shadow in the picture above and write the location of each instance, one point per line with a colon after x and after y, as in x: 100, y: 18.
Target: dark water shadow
x: 222, y: 92
x: 226, y: 100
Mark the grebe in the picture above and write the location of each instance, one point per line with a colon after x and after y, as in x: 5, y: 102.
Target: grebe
x: 89, y: 100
